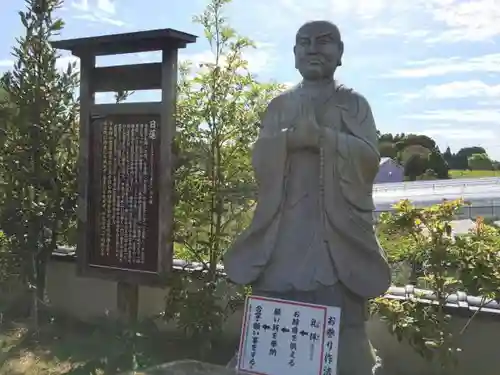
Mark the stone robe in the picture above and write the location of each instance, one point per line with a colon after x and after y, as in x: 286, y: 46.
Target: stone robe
x: 341, y: 231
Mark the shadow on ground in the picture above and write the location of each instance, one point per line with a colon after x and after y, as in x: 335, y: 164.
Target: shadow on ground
x: 74, y: 348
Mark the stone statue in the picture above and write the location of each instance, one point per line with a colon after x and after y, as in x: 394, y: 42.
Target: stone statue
x: 312, y: 237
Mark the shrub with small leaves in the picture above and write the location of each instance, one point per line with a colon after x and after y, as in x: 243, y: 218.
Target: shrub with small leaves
x: 440, y: 261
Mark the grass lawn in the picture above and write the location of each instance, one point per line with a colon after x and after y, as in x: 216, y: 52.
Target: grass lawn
x: 73, y: 348
x: 473, y: 174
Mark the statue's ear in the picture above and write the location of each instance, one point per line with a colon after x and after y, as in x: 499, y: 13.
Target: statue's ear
x: 341, y: 50
x: 261, y: 119
x: 261, y: 115
x: 295, y: 56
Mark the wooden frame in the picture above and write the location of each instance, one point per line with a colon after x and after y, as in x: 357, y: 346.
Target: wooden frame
x: 162, y: 75
x: 127, y: 77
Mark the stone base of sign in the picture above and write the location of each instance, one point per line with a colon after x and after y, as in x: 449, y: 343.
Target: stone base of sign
x: 186, y: 367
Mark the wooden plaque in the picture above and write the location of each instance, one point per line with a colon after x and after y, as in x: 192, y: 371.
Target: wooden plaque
x: 123, y: 201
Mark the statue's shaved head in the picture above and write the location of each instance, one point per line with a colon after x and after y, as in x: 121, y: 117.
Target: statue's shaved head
x: 318, y: 49
x: 319, y: 28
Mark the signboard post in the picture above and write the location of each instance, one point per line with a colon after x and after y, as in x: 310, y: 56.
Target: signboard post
x: 125, y: 208
x: 287, y: 337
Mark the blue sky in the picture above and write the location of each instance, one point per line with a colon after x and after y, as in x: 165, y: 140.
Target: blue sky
x: 426, y: 66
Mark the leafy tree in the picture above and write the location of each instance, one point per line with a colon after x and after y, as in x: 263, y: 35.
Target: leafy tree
x: 385, y: 137
x: 480, y: 162
x: 406, y: 153
x: 469, y: 151
x: 447, y: 155
x: 416, y: 139
x: 39, y: 146
x: 437, y: 163
x: 415, y: 166
x: 403, y: 146
x: 218, y: 112
x: 387, y: 149
x: 399, y: 137
x: 461, y: 159
x: 460, y: 162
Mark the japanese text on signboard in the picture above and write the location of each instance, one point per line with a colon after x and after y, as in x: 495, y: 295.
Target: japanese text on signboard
x: 124, y: 193
x: 288, y: 337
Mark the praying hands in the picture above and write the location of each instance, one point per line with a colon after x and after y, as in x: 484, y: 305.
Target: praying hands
x: 305, y: 131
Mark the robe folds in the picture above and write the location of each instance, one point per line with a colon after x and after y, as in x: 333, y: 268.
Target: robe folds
x: 351, y: 162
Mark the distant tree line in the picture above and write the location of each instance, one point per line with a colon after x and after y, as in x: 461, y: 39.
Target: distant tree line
x: 472, y: 158
x: 422, y: 159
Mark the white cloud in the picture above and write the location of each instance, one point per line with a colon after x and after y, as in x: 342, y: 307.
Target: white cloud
x: 97, y: 11
x: 346, y: 13
x: 106, y: 6
x: 419, y: 33
x: 446, y: 20
x: 465, y: 136
x: 467, y: 131
x: 471, y: 134
x: 489, y: 63
x: 451, y: 20
x: 489, y: 103
x: 472, y: 20
x: 454, y: 90
x: 97, y: 18
x: 6, y: 64
x: 82, y: 5
x: 259, y: 59
x: 377, y: 32
x: 62, y: 62
x: 362, y: 9
x: 469, y: 116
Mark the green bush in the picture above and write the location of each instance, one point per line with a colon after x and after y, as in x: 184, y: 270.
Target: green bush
x: 10, y: 266
x: 422, y: 239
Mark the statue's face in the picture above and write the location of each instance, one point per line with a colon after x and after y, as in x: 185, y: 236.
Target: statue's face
x: 318, y: 51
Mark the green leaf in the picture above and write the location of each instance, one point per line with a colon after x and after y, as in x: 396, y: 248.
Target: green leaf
x: 58, y: 25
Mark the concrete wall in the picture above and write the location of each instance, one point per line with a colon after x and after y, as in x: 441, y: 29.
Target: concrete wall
x: 89, y: 298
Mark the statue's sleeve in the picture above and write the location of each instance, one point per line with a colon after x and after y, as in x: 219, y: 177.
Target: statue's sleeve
x: 351, y: 163
x: 251, y: 252
x: 269, y: 150
x: 357, y: 146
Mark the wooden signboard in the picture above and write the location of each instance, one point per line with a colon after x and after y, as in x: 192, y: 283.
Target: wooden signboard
x: 125, y: 180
